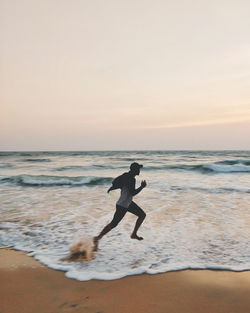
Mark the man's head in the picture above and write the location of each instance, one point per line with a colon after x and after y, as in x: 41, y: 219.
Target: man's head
x: 135, y: 168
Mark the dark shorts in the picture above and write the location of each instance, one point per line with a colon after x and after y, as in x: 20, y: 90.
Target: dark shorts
x: 121, y: 211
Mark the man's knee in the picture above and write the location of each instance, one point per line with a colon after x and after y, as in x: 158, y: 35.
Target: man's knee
x: 143, y: 215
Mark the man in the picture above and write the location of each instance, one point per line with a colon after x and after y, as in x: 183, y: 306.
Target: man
x: 125, y: 203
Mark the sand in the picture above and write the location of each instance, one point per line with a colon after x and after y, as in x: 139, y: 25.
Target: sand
x: 29, y: 287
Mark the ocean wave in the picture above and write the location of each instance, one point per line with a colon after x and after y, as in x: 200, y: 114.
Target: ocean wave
x: 5, y: 165
x: 137, y: 159
x: 25, y: 154
x: 233, y: 162
x: 87, y: 167
x: 227, y: 166
x: 216, y: 167
x: 35, y: 160
x: 211, y: 190
x: 70, y: 167
x: 172, y: 167
x: 48, y: 181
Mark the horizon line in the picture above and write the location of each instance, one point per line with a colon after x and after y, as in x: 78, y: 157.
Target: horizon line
x: 126, y: 150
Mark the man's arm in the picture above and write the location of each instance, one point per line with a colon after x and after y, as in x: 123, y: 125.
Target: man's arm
x: 131, y: 187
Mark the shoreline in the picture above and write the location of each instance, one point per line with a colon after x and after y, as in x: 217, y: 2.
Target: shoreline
x: 28, y: 286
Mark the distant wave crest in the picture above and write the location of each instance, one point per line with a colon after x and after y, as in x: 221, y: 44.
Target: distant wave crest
x: 90, y: 167
x: 70, y: 167
x: 36, y: 160
x: 227, y: 166
x: 210, y: 190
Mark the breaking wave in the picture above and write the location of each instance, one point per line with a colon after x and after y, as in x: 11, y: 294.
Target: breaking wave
x: 229, y: 166
x: 47, y: 181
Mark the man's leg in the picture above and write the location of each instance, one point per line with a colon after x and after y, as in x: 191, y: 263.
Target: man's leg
x: 135, y: 209
x: 118, y: 216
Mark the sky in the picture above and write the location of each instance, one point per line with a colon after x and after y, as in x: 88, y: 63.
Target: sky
x: 124, y: 75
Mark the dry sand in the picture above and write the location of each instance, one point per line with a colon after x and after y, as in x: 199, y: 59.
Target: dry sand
x: 29, y: 287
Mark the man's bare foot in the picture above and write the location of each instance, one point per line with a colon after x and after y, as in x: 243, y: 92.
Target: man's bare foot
x: 95, y: 240
x: 136, y: 237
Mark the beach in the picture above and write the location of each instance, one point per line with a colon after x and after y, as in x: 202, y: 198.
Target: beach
x: 194, y: 257
x: 27, y: 287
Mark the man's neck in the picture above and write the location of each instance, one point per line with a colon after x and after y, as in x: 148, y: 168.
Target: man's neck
x: 131, y: 174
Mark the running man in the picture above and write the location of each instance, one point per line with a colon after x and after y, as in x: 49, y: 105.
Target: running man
x: 125, y: 203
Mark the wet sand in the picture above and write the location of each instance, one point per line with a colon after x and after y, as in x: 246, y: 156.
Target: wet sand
x: 29, y: 287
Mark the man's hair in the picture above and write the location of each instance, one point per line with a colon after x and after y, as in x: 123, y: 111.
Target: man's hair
x: 135, y: 165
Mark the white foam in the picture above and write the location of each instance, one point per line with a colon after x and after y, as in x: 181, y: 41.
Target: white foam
x: 227, y: 168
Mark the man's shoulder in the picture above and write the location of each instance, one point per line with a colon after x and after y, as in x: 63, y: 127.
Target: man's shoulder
x: 127, y: 174
x: 128, y: 178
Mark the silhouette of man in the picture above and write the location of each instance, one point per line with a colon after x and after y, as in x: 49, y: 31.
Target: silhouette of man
x: 125, y: 203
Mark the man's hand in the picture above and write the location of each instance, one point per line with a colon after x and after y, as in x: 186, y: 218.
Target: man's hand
x: 143, y: 184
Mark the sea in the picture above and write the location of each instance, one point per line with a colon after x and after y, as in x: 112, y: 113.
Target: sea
x: 197, y: 205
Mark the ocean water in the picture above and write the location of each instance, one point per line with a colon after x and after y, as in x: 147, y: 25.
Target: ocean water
x: 197, y: 205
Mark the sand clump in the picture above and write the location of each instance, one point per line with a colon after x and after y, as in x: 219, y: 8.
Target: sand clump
x: 81, y: 250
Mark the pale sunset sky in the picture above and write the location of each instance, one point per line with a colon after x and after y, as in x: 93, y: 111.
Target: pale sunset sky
x: 124, y: 75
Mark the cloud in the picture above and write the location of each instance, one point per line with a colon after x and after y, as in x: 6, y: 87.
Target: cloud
x: 217, y: 121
